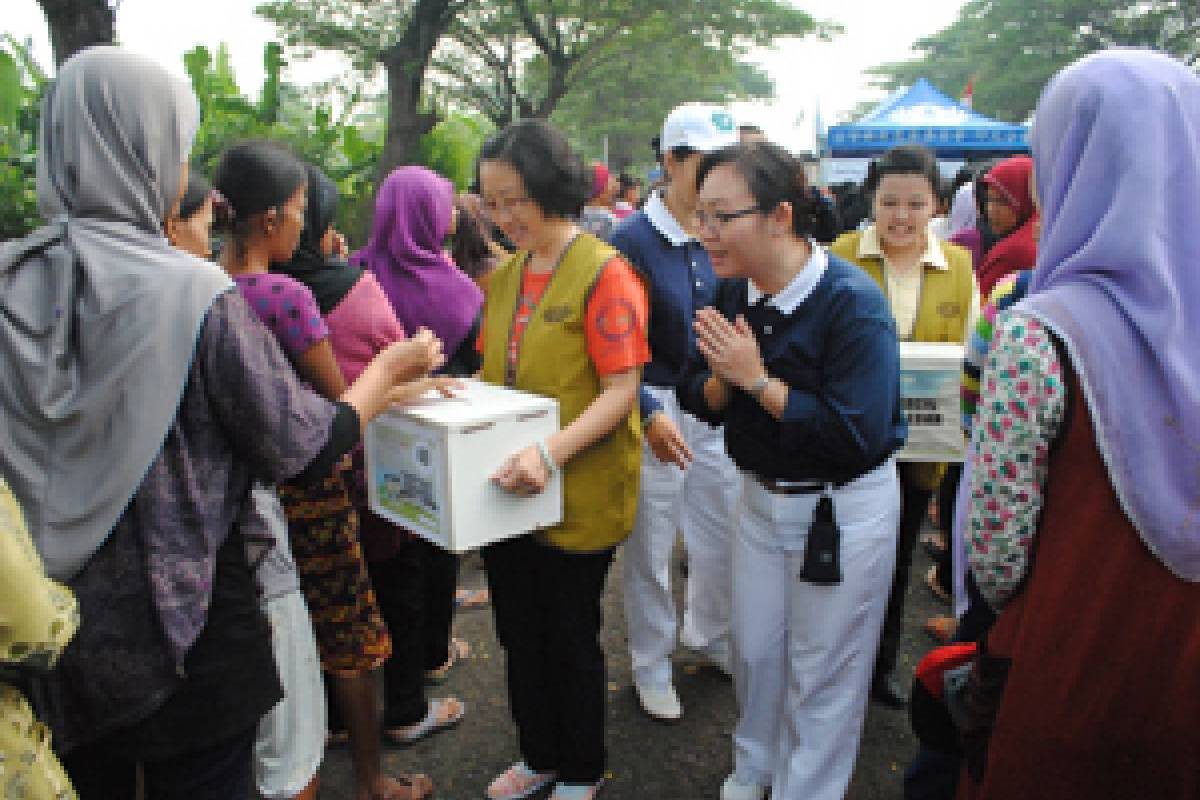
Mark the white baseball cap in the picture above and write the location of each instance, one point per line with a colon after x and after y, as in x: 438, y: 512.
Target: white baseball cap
x: 699, y: 126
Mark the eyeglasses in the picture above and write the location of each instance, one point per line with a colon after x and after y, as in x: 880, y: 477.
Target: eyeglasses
x: 504, y: 204
x: 717, y: 219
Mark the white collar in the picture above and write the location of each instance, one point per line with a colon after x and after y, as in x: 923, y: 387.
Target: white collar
x: 661, y: 218
x: 787, y: 300
x: 869, y: 246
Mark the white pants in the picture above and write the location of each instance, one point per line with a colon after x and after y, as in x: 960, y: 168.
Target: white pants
x: 804, y: 653
x: 291, y: 737
x: 701, y: 502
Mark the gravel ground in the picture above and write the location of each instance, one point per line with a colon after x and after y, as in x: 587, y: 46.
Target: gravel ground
x: 647, y: 759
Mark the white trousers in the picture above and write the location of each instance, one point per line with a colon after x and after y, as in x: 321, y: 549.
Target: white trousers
x: 804, y: 653
x: 290, y: 743
x: 699, y: 501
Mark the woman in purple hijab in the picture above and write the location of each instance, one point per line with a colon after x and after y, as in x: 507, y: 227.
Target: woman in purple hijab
x: 1084, y: 517
x: 414, y: 212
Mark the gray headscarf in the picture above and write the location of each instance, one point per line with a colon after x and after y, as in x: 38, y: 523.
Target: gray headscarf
x: 99, y: 315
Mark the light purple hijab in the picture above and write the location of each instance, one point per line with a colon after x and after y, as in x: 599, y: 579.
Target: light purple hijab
x: 412, y: 215
x: 1116, y: 143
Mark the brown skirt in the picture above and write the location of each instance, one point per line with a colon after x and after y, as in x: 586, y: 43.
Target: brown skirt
x: 323, y: 529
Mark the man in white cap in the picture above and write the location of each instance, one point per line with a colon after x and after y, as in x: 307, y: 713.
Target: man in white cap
x: 688, y: 482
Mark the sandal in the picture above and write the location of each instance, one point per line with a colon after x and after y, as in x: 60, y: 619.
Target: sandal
x: 518, y: 782
x: 931, y: 583
x: 941, y: 629
x: 438, y: 718
x: 458, y: 650
x: 472, y: 599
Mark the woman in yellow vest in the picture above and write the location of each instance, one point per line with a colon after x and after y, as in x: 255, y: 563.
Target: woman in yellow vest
x: 934, y: 298
x: 565, y: 317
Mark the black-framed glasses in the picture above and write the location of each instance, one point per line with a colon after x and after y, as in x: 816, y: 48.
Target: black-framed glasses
x: 715, y: 219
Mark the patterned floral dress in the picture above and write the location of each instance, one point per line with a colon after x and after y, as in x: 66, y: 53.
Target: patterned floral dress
x: 323, y: 524
x: 37, y: 619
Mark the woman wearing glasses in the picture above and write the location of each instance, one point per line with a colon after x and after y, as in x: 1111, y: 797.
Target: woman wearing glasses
x: 803, y: 368
x: 565, y: 317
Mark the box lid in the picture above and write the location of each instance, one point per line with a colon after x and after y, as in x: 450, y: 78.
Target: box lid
x: 476, y: 402
x: 931, y: 355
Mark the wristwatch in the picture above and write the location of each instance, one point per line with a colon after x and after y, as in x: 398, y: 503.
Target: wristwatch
x: 755, y: 389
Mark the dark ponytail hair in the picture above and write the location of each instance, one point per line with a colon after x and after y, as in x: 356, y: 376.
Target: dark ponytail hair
x: 254, y: 177
x: 905, y: 159
x: 554, y: 175
x: 198, y: 190
x: 775, y: 176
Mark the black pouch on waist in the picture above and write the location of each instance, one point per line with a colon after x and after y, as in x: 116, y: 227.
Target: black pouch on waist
x: 823, y: 553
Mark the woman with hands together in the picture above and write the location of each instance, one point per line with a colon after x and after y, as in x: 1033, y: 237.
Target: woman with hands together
x: 800, y: 363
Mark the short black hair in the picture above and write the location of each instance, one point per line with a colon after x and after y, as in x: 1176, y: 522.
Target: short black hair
x: 198, y: 190
x: 255, y: 176
x: 748, y: 127
x: 775, y: 176
x: 554, y: 175
x: 627, y: 182
x: 905, y: 159
x: 682, y: 152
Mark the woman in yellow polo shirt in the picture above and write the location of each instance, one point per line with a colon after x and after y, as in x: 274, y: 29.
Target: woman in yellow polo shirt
x: 934, y: 298
x: 565, y: 317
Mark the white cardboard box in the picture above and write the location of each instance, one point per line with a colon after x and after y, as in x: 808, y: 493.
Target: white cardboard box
x: 930, y: 379
x: 429, y: 466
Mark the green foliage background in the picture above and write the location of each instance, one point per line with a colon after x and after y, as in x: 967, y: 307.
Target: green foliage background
x: 346, y: 145
x: 1010, y: 48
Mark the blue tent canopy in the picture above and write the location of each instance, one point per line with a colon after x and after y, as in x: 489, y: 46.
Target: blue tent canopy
x: 923, y: 115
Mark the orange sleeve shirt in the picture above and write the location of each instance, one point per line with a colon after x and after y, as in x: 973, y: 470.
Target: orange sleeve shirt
x: 614, y: 320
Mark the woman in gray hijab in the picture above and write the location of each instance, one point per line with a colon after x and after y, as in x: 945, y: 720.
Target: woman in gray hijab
x: 140, y: 398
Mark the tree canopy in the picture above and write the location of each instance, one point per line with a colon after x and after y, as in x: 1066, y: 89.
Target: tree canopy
x: 515, y: 58
x: 1011, y: 48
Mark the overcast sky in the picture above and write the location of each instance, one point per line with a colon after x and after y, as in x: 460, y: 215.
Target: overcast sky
x: 806, y: 74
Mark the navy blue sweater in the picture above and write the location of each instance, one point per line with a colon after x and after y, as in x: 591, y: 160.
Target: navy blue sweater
x: 679, y: 280
x: 839, y: 355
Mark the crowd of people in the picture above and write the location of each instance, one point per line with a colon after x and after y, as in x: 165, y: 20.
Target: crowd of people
x: 196, y: 598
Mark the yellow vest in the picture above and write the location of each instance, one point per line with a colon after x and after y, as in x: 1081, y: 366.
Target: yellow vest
x: 600, y: 484
x: 942, y: 312
x: 945, y: 303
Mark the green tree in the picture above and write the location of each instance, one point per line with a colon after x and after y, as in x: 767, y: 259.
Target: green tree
x: 400, y: 37
x: 509, y: 58
x: 346, y: 147
x: 524, y: 57
x: 21, y: 86
x: 1010, y: 48
x: 628, y: 106
x: 76, y: 24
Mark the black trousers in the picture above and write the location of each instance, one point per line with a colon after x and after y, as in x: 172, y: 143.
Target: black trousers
x: 947, y: 508
x: 415, y: 592
x: 220, y: 771
x: 546, y: 603
x: 914, y: 502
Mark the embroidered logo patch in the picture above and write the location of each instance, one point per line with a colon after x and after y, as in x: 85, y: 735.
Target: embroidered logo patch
x: 949, y: 309
x: 616, y: 320
x: 556, y: 313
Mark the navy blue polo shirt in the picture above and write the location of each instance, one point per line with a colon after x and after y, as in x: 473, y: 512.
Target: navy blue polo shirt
x: 679, y: 279
x: 830, y: 336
